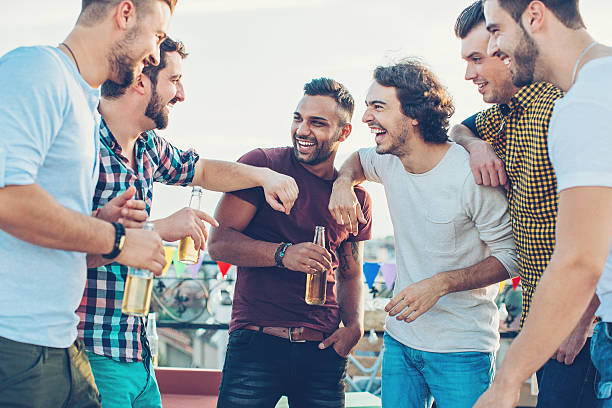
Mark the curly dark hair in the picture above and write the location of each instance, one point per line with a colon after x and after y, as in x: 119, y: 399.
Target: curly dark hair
x: 421, y: 95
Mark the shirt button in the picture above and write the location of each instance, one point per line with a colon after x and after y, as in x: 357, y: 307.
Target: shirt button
x: 514, y: 187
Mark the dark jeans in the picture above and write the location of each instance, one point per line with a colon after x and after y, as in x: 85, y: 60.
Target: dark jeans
x: 563, y: 386
x: 601, y: 353
x: 36, y: 376
x: 260, y: 368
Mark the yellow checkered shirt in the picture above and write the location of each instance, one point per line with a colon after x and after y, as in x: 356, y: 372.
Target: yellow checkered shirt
x: 519, y: 137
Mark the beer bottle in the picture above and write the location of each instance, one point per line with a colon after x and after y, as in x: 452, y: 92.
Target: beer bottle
x: 316, y: 283
x: 138, y: 285
x: 187, y: 252
x: 153, y: 339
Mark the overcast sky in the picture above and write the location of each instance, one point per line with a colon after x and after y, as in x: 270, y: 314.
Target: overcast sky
x: 249, y: 60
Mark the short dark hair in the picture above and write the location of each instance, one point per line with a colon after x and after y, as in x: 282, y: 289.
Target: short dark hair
x: 93, y: 10
x: 111, y: 90
x: 470, y: 17
x: 565, y: 10
x: 421, y: 95
x: 335, y: 90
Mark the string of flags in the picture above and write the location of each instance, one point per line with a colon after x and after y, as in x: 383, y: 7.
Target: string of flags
x: 389, y: 274
x: 171, y: 255
x: 388, y: 271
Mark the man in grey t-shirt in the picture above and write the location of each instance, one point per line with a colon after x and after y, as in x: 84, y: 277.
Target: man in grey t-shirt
x: 453, y: 237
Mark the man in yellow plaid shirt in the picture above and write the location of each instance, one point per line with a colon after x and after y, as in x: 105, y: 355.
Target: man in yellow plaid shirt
x: 512, y: 150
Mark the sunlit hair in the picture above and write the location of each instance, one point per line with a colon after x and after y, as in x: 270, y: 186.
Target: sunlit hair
x: 93, y: 11
x: 470, y: 17
x: 335, y: 90
x: 565, y: 10
x: 421, y: 96
x: 111, y: 90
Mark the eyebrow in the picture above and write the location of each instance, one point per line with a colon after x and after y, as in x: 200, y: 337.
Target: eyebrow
x: 492, y: 26
x: 376, y: 101
x: 312, y: 117
x: 473, y: 54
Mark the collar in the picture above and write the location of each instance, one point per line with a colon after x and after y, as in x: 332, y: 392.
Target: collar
x: 526, y: 96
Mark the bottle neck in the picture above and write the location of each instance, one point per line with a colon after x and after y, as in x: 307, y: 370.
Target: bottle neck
x: 195, y: 201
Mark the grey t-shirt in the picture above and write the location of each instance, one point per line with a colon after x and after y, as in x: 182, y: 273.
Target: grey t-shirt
x: 443, y: 221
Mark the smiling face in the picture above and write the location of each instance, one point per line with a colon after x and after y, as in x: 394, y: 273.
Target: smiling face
x: 167, y: 91
x: 488, y: 73
x: 140, y: 44
x: 316, y: 129
x: 512, y: 44
x: 390, y: 127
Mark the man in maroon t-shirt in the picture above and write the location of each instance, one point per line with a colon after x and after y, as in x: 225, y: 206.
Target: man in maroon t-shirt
x: 279, y: 345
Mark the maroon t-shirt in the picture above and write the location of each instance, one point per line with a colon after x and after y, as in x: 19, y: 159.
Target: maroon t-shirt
x: 274, y: 296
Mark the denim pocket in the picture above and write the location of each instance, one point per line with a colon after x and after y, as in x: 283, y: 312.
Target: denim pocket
x: 241, y: 338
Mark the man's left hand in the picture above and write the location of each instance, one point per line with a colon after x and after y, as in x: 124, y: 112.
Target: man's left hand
x: 124, y: 210
x: 571, y: 346
x: 280, y: 191
x: 415, y: 299
x: 344, y: 340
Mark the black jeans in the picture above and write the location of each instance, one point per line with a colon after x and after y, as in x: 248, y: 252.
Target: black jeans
x: 260, y: 368
x: 563, y: 386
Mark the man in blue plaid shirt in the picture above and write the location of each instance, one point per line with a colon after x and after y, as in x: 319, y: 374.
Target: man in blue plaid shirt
x: 132, y: 158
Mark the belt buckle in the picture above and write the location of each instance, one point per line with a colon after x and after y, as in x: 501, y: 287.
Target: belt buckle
x: 291, y: 338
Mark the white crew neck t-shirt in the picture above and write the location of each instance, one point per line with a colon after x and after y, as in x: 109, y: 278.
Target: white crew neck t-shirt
x: 443, y: 221
x: 580, y: 145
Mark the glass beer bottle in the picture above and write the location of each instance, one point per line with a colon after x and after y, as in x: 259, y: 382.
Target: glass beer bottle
x: 187, y: 252
x: 153, y: 339
x: 316, y: 283
x: 138, y: 285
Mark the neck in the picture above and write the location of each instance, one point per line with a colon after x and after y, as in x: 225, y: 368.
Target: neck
x: 422, y: 157
x: 561, y: 55
x: 120, y: 119
x: 92, y: 61
x: 324, y: 170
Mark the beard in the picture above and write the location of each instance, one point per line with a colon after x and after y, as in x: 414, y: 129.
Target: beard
x: 155, y: 110
x: 397, y: 143
x: 525, y: 56
x: 321, y: 153
x: 123, y: 66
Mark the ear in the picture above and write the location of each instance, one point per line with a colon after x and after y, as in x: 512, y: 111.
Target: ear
x: 533, y: 16
x: 141, y: 84
x: 346, y: 131
x: 414, y: 122
x: 124, y: 14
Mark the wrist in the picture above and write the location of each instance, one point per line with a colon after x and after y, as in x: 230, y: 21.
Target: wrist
x: 279, y: 255
x: 476, y: 143
x: 442, y: 283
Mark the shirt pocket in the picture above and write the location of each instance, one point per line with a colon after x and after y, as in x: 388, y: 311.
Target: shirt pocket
x: 439, y: 231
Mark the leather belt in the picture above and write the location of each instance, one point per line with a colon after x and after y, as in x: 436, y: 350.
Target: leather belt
x: 293, y: 334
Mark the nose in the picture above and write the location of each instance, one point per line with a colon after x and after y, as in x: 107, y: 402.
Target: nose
x: 367, y: 116
x: 302, y: 129
x: 180, y: 92
x: 154, y: 58
x: 492, y: 47
x: 470, y: 72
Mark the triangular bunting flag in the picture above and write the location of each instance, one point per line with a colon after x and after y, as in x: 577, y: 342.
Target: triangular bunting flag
x: 196, y: 266
x: 169, y: 254
x: 370, y: 270
x: 515, y: 282
x: 389, y: 273
x: 223, y: 267
x: 179, y: 267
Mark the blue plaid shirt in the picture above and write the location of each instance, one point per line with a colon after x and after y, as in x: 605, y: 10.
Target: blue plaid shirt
x: 104, y: 329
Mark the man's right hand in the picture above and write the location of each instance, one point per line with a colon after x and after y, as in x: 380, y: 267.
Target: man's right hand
x: 344, y: 206
x: 143, y: 249
x: 307, y: 257
x: 487, y: 168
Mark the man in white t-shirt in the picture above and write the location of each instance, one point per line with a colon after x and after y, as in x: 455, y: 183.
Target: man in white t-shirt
x: 547, y: 40
x: 453, y: 241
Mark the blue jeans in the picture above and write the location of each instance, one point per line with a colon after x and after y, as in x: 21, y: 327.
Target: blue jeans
x: 601, y: 353
x: 125, y: 385
x: 260, y: 368
x: 568, y: 386
x: 414, y: 379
